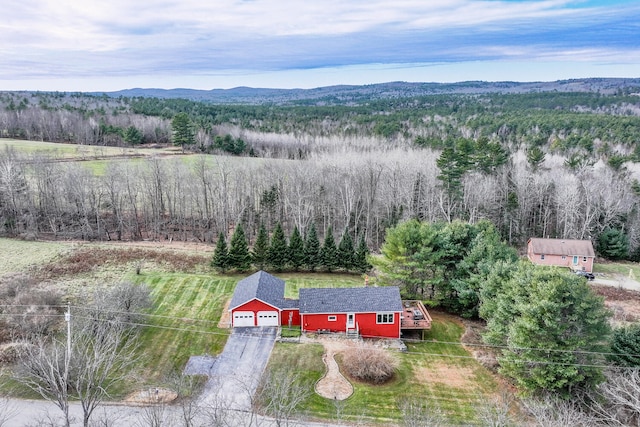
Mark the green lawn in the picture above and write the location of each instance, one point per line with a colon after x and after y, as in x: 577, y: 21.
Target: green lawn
x: 624, y: 268
x: 445, y: 374
x: 18, y: 255
x: 184, y: 319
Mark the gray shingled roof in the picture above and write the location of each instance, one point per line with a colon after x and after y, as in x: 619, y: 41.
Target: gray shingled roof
x: 260, y: 285
x: 566, y: 247
x: 350, y: 300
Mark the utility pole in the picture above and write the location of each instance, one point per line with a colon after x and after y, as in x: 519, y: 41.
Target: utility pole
x: 67, y: 359
x: 67, y: 318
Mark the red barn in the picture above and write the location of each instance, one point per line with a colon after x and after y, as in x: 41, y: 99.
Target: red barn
x: 258, y: 300
x: 574, y: 254
x: 368, y: 311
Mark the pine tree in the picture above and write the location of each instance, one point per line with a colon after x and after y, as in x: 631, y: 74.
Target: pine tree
x: 329, y: 252
x: 278, y: 255
x: 296, y: 250
x: 239, y: 257
x: 182, y: 130
x: 361, y: 262
x: 220, y: 259
x: 346, y: 252
x: 312, y: 257
x: 625, y: 346
x: 261, y: 248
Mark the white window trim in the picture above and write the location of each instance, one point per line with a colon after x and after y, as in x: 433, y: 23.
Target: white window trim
x: 390, y: 316
x: 332, y: 318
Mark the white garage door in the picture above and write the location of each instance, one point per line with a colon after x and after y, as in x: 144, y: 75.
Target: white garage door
x: 243, y: 318
x: 268, y: 318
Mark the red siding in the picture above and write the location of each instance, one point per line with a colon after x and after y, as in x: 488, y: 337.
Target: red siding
x: 313, y: 322
x: 255, y: 306
x: 366, y: 323
x: 295, y: 318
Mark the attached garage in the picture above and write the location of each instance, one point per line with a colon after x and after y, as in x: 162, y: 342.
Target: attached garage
x: 268, y: 318
x: 256, y: 301
x: 243, y: 318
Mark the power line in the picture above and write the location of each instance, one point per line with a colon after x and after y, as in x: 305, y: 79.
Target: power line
x: 208, y: 332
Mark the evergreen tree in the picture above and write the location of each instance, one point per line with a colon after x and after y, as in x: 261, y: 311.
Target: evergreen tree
x: 552, y: 325
x: 296, y: 250
x: 625, y: 346
x: 239, y: 256
x: 260, y: 251
x: 361, y: 261
x: 132, y: 135
x: 535, y: 157
x: 220, y: 259
x: 329, y: 252
x: 346, y: 252
x: 613, y: 244
x: 278, y: 255
x: 182, y: 130
x: 312, y: 257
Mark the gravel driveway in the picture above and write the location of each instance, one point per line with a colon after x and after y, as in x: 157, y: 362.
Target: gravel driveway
x: 236, y: 372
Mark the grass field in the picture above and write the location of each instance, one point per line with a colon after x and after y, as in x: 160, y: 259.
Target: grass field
x: 19, y: 255
x: 77, y: 151
x: 444, y: 374
x: 624, y: 268
x: 184, y: 318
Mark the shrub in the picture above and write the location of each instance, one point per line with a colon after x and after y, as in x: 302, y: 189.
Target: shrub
x: 369, y: 364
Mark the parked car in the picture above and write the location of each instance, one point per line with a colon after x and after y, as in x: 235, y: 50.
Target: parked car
x: 585, y: 274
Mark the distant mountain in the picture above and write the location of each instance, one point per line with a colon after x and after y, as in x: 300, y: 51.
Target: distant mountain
x: 350, y: 94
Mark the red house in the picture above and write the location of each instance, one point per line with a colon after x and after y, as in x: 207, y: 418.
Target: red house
x: 573, y: 254
x: 368, y: 311
x: 258, y: 300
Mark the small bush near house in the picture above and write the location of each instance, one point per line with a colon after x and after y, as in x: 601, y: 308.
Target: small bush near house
x: 370, y: 364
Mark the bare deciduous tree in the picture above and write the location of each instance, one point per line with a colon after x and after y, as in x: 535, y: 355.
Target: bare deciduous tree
x: 418, y: 412
x: 96, y: 356
x: 551, y: 411
x: 282, y: 393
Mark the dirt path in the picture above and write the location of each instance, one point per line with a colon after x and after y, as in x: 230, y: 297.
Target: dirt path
x: 333, y: 385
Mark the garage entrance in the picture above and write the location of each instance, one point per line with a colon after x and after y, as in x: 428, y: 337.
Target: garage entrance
x: 268, y: 318
x: 243, y: 318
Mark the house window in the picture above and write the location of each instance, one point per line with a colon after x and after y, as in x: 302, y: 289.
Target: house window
x: 564, y: 257
x: 332, y: 318
x: 542, y: 256
x: 384, y: 318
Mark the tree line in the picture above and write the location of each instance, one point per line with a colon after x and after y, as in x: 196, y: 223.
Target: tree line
x: 199, y: 196
x: 295, y: 253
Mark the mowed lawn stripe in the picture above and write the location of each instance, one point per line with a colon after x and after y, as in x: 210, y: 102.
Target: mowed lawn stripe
x: 191, y: 303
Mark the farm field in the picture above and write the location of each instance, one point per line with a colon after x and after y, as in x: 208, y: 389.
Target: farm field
x: 79, y: 152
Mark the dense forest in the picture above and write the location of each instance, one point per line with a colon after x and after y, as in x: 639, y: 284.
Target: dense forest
x: 552, y: 164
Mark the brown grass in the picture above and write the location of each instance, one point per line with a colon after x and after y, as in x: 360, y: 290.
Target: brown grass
x: 88, y: 259
x: 451, y: 376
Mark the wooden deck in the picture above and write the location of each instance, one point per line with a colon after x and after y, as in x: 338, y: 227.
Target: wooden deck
x: 415, y: 316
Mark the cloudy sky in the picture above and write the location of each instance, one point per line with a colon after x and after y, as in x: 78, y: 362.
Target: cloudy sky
x: 89, y: 45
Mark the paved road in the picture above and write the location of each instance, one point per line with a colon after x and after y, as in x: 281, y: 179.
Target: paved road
x: 36, y: 413
x: 236, y: 372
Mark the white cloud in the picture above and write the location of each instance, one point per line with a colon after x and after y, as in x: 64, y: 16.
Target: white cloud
x: 40, y: 38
